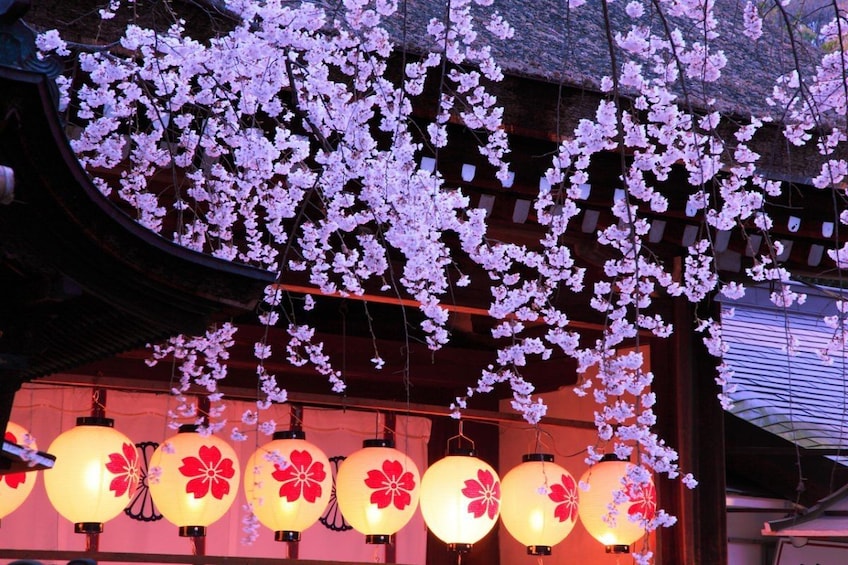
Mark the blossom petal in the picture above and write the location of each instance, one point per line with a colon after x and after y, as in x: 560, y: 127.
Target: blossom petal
x: 382, y: 498
x: 311, y: 490
x: 316, y: 472
x: 191, y: 467
x: 392, y: 469
x: 301, y: 459
x: 407, y: 481
x: 472, y: 489
x: 220, y: 487
x: 477, y: 507
x: 198, y: 487
x: 225, y: 469
x: 402, y: 499
x: 493, y: 508
x: 557, y: 493
x: 209, y: 454
x: 376, y: 479
x: 486, y: 479
x: 119, y: 485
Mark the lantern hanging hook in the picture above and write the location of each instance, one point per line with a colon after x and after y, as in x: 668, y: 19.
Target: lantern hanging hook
x: 460, y: 437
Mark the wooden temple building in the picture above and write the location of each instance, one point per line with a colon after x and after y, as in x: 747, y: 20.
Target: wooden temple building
x: 83, y: 288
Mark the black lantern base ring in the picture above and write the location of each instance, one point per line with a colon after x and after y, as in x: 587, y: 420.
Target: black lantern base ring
x: 192, y: 531
x: 459, y: 547
x: 618, y: 548
x: 538, y: 550
x: 88, y: 527
x: 286, y: 535
x: 378, y: 539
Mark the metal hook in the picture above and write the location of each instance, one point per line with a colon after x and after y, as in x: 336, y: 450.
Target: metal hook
x: 460, y: 437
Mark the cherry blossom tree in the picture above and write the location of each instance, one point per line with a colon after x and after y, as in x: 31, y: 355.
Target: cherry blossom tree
x: 301, y: 114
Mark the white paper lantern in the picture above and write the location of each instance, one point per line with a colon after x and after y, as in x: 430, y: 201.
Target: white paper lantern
x: 460, y: 500
x: 288, y: 482
x: 377, y: 489
x: 195, y: 480
x: 605, y: 478
x: 95, y: 475
x: 539, y: 503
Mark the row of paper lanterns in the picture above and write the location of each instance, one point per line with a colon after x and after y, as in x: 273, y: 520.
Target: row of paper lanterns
x: 193, y: 480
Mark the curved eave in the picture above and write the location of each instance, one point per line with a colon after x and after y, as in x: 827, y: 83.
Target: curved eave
x: 59, y: 222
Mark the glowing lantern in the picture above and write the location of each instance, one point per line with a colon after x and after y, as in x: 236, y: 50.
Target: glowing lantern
x: 290, y: 485
x: 15, y: 487
x: 539, y: 503
x: 95, y: 475
x: 195, y: 479
x: 460, y: 499
x: 377, y: 490
x: 605, y: 478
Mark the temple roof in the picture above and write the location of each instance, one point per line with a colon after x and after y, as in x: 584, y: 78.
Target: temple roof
x: 554, y: 43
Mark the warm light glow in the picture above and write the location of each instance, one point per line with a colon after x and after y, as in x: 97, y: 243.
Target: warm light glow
x: 16, y: 487
x: 605, y: 478
x: 95, y: 475
x: 288, y: 481
x: 194, y: 480
x: 460, y: 499
x: 539, y: 503
x: 377, y: 489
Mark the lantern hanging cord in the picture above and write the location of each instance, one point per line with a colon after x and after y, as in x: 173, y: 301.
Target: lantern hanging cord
x: 538, y: 443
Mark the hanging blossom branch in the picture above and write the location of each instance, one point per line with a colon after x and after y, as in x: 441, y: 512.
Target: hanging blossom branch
x: 286, y: 131
x: 288, y: 112
x: 659, y: 130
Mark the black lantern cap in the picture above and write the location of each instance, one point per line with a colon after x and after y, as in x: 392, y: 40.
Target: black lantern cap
x: 378, y: 443
x: 187, y: 429
x: 95, y: 421
x: 462, y: 451
x: 538, y: 550
x: 286, y: 535
x: 192, y: 531
x: 459, y: 547
x: 544, y: 457
x: 88, y: 527
x: 289, y: 434
x: 378, y: 539
x: 617, y: 548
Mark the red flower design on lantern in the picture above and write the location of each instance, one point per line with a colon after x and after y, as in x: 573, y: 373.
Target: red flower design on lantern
x: 210, y: 471
x: 485, y: 493
x: 125, y: 466
x: 14, y: 480
x: 565, y: 493
x: 644, y: 499
x: 392, y: 485
x: 301, y: 476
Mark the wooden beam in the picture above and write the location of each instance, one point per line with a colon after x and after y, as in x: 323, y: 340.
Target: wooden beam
x: 308, y: 399
x: 411, y: 303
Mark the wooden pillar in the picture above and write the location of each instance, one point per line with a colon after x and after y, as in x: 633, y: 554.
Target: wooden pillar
x: 691, y: 420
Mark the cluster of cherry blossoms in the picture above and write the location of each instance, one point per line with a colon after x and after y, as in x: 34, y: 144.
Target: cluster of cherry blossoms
x: 294, y: 117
